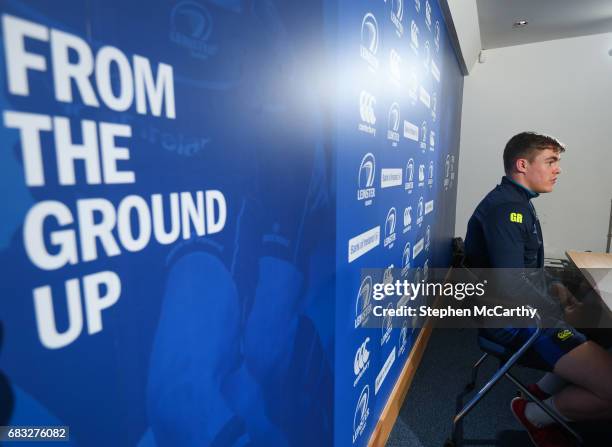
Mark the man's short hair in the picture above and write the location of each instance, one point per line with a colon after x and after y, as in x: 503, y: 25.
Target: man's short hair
x: 526, y: 145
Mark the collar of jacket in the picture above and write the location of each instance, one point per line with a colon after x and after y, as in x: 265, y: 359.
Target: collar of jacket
x: 525, y: 192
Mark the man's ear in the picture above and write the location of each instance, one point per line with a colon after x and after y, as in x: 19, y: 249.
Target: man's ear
x: 521, y: 164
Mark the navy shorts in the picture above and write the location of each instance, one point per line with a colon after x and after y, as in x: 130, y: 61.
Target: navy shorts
x: 549, y: 347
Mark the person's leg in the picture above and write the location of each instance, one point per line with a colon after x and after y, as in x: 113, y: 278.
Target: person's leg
x: 589, y: 369
x: 578, y: 404
x: 550, y: 384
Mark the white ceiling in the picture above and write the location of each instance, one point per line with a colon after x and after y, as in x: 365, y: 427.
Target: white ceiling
x: 548, y: 20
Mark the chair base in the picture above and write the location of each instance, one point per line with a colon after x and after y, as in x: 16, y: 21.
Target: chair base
x: 502, y: 372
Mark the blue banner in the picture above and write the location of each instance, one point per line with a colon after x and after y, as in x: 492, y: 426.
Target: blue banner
x: 190, y: 191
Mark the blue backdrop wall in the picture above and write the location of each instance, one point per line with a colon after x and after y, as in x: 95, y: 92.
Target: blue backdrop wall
x: 190, y: 191
x: 399, y: 106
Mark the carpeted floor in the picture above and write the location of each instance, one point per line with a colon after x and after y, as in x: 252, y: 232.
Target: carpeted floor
x: 426, y: 416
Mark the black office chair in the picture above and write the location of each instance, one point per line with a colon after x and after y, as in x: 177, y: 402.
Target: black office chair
x: 507, y: 359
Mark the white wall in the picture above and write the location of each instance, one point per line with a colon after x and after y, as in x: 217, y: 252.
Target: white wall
x: 562, y: 88
x: 465, y: 20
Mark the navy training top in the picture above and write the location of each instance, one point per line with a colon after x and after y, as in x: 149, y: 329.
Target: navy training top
x: 504, y: 233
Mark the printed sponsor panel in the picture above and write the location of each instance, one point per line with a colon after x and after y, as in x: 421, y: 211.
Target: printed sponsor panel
x: 399, y: 159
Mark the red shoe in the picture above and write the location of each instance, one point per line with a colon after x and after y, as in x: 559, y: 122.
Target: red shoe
x: 548, y: 436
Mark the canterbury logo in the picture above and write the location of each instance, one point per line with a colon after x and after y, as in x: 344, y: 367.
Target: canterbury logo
x: 564, y: 334
x: 366, y: 107
x: 362, y: 356
x: 516, y: 217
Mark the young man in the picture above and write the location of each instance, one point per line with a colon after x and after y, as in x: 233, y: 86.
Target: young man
x: 504, y: 233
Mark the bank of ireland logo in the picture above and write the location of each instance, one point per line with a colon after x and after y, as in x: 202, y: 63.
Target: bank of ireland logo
x: 430, y: 174
x: 409, y: 186
x: 414, y: 36
x: 428, y: 15
x: 394, y: 124
x: 363, y: 304
x: 420, y: 212
x: 432, y: 140
x: 421, y: 175
x: 426, y: 56
x: 362, y: 411
x: 362, y: 361
x: 397, y: 13
x: 411, y: 131
x: 367, y: 101
x: 369, y: 40
x: 424, y: 136
x: 395, y: 66
x: 390, y: 223
x: 437, y: 36
x: 407, y: 219
x: 367, y: 172
x: 190, y: 27
x: 406, y: 260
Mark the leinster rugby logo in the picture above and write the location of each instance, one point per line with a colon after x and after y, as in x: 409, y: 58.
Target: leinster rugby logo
x: 362, y: 411
x: 406, y: 260
x: 369, y: 40
x: 403, y: 338
x: 390, y: 228
x: 449, y: 175
x: 424, y: 135
x: 363, y: 305
x: 190, y: 27
x: 387, y: 325
x: 409, y: 185
x: 367, y: 170
x: 420, y: 211
x: 434, y: 106
x: 421, y: 175
x: 394, y: 124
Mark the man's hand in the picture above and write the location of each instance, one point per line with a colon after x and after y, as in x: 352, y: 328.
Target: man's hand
x: 572, y: 307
